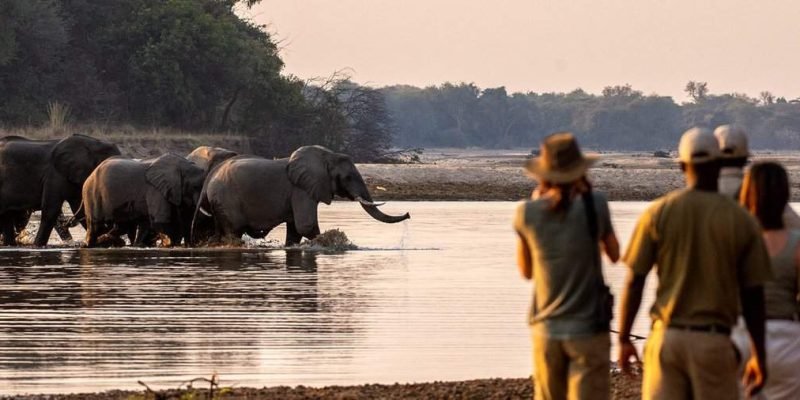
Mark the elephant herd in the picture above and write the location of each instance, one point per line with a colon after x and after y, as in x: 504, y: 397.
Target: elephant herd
x: 212, y: 195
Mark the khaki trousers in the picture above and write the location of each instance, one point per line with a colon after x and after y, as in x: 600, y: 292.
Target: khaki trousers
x: 571, y: 369
x: 681, y: 364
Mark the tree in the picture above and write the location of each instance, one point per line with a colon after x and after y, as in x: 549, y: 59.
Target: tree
x: 698, y: 91
x: 766, y: 98
x: 621, y: 91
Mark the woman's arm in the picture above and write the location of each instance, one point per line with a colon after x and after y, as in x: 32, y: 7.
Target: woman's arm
x: 524, y: 257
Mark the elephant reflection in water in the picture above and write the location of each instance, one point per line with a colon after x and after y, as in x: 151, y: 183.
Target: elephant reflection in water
x: 253, y: 195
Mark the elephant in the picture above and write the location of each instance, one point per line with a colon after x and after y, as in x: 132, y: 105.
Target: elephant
x: 250, y: 194
x: 41, y: 175
x: 208, y: 158
x: 156, y: 196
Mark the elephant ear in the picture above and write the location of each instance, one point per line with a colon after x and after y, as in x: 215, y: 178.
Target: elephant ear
x: 73, y: 158
x: 308, y: 169
x: 165, y: 175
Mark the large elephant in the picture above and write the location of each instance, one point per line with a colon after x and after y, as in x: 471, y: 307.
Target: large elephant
x: 151, y: 196
x: 248, y: 194
x: 41, y: 175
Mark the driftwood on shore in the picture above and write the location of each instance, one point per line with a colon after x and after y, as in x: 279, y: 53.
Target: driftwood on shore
x: 622, y: 388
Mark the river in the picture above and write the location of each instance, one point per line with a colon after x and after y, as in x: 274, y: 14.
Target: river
x: 437, y: 297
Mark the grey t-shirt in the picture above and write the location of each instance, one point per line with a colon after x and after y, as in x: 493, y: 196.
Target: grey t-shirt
x: 567, y: 296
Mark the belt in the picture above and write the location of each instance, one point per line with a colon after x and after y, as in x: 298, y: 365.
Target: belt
x: 793, y: 317
x: 713, y: 328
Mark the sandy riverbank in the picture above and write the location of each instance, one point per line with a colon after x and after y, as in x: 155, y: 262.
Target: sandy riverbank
x: 623, y: 388
x: 458, y: 174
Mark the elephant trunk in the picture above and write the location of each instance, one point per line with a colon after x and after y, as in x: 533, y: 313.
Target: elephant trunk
x: 372, y: 208
x: 357, y: 190
x: 376, y: 213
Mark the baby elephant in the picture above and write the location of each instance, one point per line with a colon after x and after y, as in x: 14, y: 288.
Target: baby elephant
x: 156, y: 196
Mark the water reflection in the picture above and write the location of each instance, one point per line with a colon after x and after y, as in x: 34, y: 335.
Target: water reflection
x: 115, y: 313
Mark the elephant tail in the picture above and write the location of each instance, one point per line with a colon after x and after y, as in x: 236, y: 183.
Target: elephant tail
x: 78, y: 217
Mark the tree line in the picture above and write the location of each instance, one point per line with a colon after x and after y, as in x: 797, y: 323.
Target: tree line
x: 620, y: 118
x: 192, y: 65
x: 195, y: 65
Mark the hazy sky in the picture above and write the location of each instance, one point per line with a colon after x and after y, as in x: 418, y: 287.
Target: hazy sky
x: 545, y: 45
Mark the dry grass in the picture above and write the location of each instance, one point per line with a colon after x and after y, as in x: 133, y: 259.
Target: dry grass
x: 58, y: 115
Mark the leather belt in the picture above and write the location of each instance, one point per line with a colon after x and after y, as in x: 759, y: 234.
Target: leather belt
x: 713, y: 328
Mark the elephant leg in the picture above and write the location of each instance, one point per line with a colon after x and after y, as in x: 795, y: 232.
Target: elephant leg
x: 62, y: 228
x: 9, y: 233
x: 293, y: 237
x: 304, y: 214
x: 112, y: 237
x: 145, y: 236
x: 92, y: 233
x: 51, y: 209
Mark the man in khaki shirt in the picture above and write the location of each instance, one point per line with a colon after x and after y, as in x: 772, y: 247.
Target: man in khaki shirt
x: 709, y: 258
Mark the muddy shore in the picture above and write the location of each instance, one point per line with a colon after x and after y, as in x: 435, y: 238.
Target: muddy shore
x: 622, y: 388
x: 482, y: 175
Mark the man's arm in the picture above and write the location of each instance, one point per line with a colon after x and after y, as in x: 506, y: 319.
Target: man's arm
x: 754, y: 315
x: 631, y: 300
x: 524, y: 257
x: 611, y: 246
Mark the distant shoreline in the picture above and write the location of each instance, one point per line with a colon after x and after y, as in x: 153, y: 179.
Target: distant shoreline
x: 497, y: 175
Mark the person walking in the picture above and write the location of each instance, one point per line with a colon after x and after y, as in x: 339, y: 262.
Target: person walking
x: 560, y: 233
x: 710, y: 258
x: 765, y: 193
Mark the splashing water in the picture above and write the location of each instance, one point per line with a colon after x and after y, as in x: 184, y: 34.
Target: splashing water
x: 406, y: 235
x: 332, y: 239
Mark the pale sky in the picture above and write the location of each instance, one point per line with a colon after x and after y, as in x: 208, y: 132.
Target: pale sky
x: 545, y: 45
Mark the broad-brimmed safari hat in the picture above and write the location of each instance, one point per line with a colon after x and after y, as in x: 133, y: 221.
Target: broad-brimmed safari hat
x: 698, y: 146
x: 732, y: 141
x: 560, y: 160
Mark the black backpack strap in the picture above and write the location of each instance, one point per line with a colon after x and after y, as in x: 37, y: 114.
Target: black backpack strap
x: 606, y: 304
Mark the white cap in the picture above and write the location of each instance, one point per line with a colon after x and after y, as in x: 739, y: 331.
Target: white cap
x: 698, y: 146
x: 732, y: 141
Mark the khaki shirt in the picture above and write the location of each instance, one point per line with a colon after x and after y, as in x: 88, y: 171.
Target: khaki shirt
x: 705, y: 248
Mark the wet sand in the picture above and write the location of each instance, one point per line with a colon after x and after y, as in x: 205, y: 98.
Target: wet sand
x: 622, y: 388
x: 458, y: 174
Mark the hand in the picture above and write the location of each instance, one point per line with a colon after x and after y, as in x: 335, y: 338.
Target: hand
x: 626, y: 352
x: 754, y: 377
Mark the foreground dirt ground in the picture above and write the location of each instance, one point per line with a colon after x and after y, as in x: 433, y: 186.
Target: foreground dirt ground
x: 623, y: 388
x: 460, y: 174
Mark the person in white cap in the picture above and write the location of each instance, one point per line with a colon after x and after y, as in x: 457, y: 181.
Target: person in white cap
x: 735, y: 155
x: 560, y: 233
x: 711, y: 262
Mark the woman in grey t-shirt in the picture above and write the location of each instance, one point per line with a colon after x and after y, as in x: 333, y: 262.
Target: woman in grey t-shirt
x: 561, y: 231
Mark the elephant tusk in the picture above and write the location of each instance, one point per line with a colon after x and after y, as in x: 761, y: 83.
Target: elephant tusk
x: 368, y: 203
x: 204, y: 212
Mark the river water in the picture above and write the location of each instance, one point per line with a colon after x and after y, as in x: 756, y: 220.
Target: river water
x: 437, y: 297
